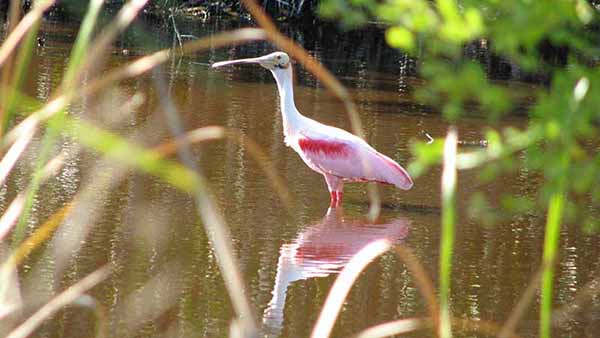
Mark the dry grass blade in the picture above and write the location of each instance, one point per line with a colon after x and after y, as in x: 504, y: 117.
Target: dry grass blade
x: 402, y: 326
x: 202, y: 134
x: 274, y: 179
x: 426, y: 288
x: 520, y: 309
x: 213, y: 222
x: 147, y: 63
x: 220, y: 239
x: 40, y: 235
x: 342, y: 285
x: 8, y: 270
x: 78, y: 52
x: 70, y: 236
x: 10, y: 216
x: 584, y: 295
x: 301, y: 55
x: 396, y: 327
x: 235, y: 331
x: 485, y: 327
x: 7, y: 65
x: 313, y: 66
x: 212, y: 133
x: 10, y: 292
x: 135, y: 68
x: 31, y: 123
x: 100, y: 45
x: 13, y: 154
x: 321, y: 73
x: 11, y: 42
x: 65, y: 298
x: 422, y: 281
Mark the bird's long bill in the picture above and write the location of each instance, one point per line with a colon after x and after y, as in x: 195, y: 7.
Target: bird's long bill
x: 257, y: 60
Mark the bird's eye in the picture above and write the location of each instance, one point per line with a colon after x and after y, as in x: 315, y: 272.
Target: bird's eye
x: 278, y: 57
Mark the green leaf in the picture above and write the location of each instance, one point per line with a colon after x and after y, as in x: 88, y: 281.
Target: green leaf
x: 126, y: 153
x: 400, y: 37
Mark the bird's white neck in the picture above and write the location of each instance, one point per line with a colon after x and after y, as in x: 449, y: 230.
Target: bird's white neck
x: 285, y: 85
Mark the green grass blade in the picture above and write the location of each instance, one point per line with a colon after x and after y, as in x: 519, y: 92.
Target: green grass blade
x: 555, y: 211
x: 447, y: 237
x: 83, y: 40
x: 52, y: 132
x: 23, y: 60
x: 126, y: 153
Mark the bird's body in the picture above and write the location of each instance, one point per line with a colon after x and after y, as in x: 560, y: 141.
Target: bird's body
x: 333, y: 152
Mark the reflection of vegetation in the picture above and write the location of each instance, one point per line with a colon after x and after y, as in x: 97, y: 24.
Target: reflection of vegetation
x: 563, y: 119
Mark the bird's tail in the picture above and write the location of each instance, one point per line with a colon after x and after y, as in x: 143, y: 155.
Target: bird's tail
x: 396, y: 174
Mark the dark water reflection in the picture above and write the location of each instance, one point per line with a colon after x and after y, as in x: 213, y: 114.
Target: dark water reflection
x: 167, y: 282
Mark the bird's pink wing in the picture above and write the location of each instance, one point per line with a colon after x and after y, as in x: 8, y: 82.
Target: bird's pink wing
x: 352, y: 159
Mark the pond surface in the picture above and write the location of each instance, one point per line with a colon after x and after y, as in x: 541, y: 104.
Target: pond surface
x: 166, y: 281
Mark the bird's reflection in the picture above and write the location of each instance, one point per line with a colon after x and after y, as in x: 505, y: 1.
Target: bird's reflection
x: 322, y: 249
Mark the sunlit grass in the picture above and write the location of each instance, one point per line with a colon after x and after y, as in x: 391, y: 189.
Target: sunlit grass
x: 555, y: 211
x: 53, y: 131
x: 341, y: 287
x: 447, y: 236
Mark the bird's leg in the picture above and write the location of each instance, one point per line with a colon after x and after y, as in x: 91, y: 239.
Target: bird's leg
x: 340, y: 196
x: 333, y: 201
x: 335, y: 185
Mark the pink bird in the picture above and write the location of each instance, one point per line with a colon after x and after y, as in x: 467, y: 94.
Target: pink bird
x: 332, y: 152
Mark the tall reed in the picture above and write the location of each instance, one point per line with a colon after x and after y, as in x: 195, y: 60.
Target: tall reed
x: 447, y: 236
x: 555, y: 211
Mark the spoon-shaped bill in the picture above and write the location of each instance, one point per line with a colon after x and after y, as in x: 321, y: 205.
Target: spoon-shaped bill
x: 239, y: 61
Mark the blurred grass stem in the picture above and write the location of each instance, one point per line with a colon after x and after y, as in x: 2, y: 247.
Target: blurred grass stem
x: 213, y: 222
x: 555, y: 211
x: 61, y: 300
x: 79, y: 50
x: 15, y: 209
x: 342, y: 285
x: 135, y: 68
x: 211, y: 133
x: 34, y: 15
x: 422, y: 281
x: 388, y: 329
x: 447, y: 236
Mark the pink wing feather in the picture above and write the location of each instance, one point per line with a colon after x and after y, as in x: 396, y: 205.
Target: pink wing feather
x: 352, y: 159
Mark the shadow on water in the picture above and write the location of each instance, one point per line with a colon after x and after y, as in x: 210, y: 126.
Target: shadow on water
x: 322, y: 249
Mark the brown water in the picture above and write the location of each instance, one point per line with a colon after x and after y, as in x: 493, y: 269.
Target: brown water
x: 167, y: 282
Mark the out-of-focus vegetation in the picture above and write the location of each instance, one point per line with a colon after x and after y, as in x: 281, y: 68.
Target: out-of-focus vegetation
x: 557, y: 38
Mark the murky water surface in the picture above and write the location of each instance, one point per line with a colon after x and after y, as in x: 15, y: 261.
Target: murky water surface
x: 166, y: 281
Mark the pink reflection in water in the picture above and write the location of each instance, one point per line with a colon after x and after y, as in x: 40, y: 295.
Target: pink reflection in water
x: 322, y: 249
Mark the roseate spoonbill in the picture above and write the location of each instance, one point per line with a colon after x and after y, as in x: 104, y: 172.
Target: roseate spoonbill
x: 332, y: 152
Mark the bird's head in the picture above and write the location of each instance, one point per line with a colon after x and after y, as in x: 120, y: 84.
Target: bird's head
x: 272, y: 62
